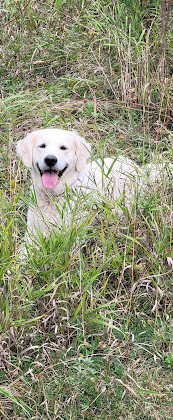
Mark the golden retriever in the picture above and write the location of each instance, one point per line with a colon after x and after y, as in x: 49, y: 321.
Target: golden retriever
x: 59, y: 159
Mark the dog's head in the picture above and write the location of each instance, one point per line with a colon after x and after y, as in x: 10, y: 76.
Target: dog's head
x: 53, y: 153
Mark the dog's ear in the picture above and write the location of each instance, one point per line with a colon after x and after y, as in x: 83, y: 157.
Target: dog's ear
x: 24, y: 149
x: 83, y: 150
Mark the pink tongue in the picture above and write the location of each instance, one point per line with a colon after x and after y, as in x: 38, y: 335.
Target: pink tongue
x: 49, y: 179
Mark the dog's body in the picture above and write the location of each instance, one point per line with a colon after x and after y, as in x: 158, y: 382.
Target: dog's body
x: 59, y: 159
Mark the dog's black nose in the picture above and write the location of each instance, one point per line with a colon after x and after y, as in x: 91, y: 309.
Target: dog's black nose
x: 50, y: 160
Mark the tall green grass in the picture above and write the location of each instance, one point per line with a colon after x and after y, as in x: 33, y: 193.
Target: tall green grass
x: 85, y: 315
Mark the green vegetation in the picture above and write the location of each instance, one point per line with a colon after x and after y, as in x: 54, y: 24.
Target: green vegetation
x: 86, y: 318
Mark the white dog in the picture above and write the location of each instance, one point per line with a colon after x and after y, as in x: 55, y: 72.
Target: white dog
x: 59, y: 159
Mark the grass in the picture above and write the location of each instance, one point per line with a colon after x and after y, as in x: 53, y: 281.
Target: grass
x: 86, y: 319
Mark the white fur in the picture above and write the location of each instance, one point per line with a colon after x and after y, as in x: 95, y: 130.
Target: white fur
x: 115, y: 177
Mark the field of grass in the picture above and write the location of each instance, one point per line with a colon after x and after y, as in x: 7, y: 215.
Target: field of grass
x: 86, y: 319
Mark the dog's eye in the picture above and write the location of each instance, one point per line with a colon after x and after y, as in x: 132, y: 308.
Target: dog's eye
x: 63, y: 148
x: 42, y: 146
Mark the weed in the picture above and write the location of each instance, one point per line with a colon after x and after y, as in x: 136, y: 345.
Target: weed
x: 85, y: 319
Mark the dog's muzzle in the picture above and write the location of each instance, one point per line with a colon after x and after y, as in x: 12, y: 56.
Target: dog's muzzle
x: 50, y: 174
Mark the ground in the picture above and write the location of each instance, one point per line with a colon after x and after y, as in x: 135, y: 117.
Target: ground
x: 86, y: 318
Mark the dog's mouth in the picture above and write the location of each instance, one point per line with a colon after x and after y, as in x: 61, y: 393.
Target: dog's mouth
x: 50, y: 177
